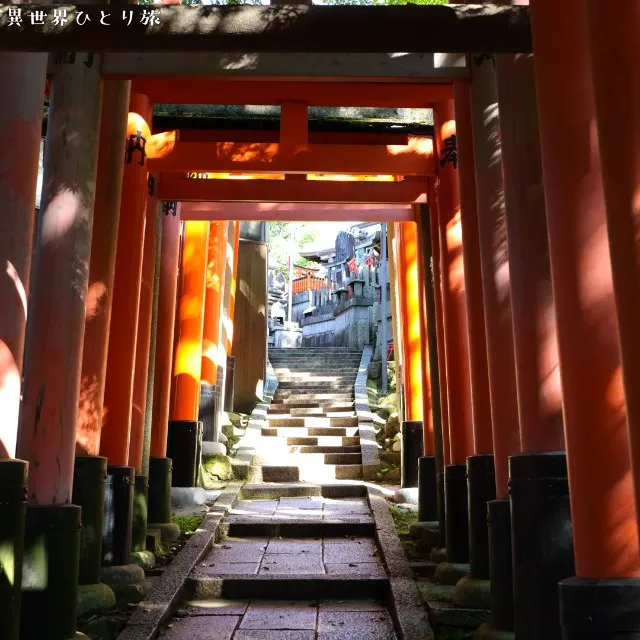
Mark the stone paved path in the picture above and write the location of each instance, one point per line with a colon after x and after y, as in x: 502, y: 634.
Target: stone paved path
x: 308, y: 550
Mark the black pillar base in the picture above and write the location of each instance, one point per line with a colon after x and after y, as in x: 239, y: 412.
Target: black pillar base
x: 89, y: 486
x: 140, y: 511
x: 159, y: 502
x: 481, y: 487
x: 412, y: 449
x: 500, y: 564
x: 229, y: 384
x: 600, y: 609
x: 50, y: 572
x: 442, y: 519
x: 427, y: 489
x: 542, y: 541
x: 118, y: 516
x: 13, y: 493
x: 456, y: 512
x: 208, y: 411
x: 183, y: 445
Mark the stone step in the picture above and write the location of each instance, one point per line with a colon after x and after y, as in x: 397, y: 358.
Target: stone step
x: 343, y: 458
x: 293, y: 396
x: 303, y: 432
x: 318, y: 386
x: 312, y: 413
x: 313, y: 421
x: 305, y: 380
x: 327, y: 405
x: 324, y: 441
x: 309, y: 472
x: 338, y: 449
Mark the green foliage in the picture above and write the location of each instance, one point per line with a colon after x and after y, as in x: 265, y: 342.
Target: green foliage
x: 280, y: 244
x: 188, y: 524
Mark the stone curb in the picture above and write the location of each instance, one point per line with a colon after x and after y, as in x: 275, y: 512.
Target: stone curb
x: 368, y: 444
x: 410, y: 618
x: 163, y: 599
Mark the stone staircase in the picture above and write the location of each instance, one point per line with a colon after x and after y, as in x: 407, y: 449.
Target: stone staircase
x: 311, y: 432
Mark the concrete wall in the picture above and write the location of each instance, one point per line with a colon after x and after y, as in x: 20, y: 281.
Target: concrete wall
x: 352, y: 324
x: 318, y: 331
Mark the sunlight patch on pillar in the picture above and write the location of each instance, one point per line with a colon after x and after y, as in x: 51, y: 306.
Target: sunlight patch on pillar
x: 9, y: 401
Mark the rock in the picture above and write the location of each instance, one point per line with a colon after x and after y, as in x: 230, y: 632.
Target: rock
x: 383, y: 414
x: 94, y: 599
x: 374, y: 370
x: 169, y: 531
x: 450, y: 573
x: 407, y: 495
x: 392, y: 427
x: 144, y: 559
x: 105, y: 627
x: 122, y: 575
x: 396, y: 446
x: 472, y: 593
x: 223, y: 438
x: 188, y: 496
x: 392, y: 474
x: 438, y: 555
x: 215, y: 469
x: 213, y: 449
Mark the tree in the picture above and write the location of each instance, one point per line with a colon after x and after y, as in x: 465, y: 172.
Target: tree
x: 280, y: 237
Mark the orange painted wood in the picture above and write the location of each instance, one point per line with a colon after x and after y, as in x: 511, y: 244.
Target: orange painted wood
x: 415, y: 158
x: 167, y: 303
x: 600, y: 478
x: 612, y: 39
x: 288, y: 211
x: 188, y: 356
x: 234, y: 283
x: 176, y: 186
x: 494, y: 264
x: 454, y: 305
x: 294, y: 127
x: 141, y: 371
x: 533, y: 311
x: 265, y: 135
x: 427, y: 412
x: 440, y: 325
x: 118, y: 392
x: 216, y: 254
x: 102, y: 267
x: 57, y: 304
x: 202, y: 90
x: 22, y: 78
x: 410, y: 321
x: 479, y: 369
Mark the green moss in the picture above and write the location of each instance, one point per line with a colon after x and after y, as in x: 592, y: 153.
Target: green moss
x: 214, y: 470
x: 188, y: 524
x: 403, y: 519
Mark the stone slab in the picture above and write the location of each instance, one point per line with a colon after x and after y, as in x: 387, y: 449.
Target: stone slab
x: 294, y: 546
x: 202, y: 628
x: 356, y: 569
x: 280, y: 634
x: 213, y: 607
x: 345, y: 552
x: 280, y: 615
x: 283, y: 564
x: 355, y: 625
x: 228, y: 569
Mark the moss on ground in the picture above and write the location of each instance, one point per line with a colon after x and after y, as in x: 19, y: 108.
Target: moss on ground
x: 403, y: 519
x: 188, y: 524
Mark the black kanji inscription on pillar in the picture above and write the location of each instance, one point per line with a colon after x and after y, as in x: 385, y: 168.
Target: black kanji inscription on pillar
x: 450, y: 151
x: 137, y: 142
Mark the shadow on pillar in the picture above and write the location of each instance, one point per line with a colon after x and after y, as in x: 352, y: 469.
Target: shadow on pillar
x: 50, y: 572
x: 184, y: 447
x: 542, y: 541
x: 481, y: 487
x: 118, y: 516
x: 13, y: 493
x: 427, y: 489
x: 412, y: 450
x: 209, y: 411
x: 456, y: 513
x: 600, y: 609
x: 140, y: 514
x: 229, y: 385
x: 159, y: 501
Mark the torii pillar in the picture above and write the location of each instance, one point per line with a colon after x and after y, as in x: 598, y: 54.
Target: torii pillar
x: 118, y: 393
x: 22, y: 85
x: 53, y: 356
x: 542, y: 540
x: 233, y: 234
x: 90, y: 468
x: 461, y: 439
x: 602, y: 600
x: 185, y: 431
x: 160, y: 467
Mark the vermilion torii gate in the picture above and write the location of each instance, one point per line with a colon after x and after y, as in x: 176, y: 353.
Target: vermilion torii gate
x: 527, y: 222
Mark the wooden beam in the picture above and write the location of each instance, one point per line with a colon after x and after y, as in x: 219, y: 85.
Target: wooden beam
x: 296, y: 212
x: 196, y: 90
x: 416, y: 158
x: 422, y: 67
x: 285, y: 28
x: 174, y: 186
